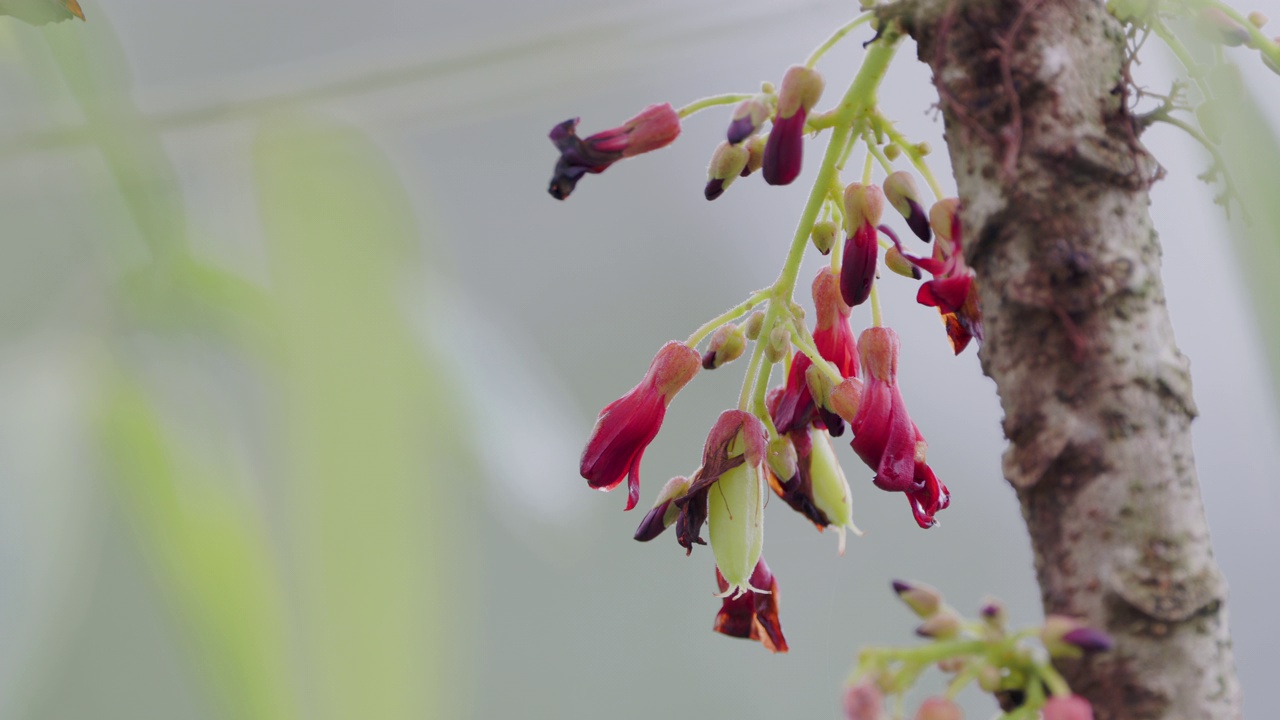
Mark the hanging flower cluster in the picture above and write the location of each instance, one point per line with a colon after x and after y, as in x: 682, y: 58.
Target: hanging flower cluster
x: 783, y: 440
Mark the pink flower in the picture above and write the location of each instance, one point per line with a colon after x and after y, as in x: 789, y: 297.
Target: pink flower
x: 884, y: 436
x: 752, y: 614
x: 655, y: 127
x: 627, y: 425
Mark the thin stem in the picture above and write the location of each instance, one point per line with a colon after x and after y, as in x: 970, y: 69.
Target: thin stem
x: 752, y: 367
x: 912, y: 151
x: 1183, y: 55
x: 805, y: 344
x: 706, y: 102
x: 866, y: 167
x: 876, y: 318
x: 857, y: 100
x: 729, y: 315
x: 835, y: 38
x: 1055, y: 682
x: 757, y: 406
x: 879, y: 156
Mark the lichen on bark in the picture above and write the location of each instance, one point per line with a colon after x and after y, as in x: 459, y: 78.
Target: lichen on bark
x: 1097, y: 397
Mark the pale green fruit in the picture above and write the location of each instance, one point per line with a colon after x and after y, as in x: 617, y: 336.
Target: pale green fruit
x: 830, y: 488
x: 735, y: 520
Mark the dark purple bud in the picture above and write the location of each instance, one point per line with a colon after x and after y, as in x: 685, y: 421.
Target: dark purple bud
x: 1089, y: 639
x: 858, y: 267
x: 784, y: 151
x: 918, y: 221
x: 652, y: 525
x: 714, y: 189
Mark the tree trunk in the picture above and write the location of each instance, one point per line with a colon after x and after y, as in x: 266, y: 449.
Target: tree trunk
x: 1096, y: 396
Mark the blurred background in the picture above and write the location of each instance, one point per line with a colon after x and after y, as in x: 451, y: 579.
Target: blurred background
x: 297, y: 357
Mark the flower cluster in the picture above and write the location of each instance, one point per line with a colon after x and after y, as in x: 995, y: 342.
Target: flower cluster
x: 783, y: 438
x: 981, y: 651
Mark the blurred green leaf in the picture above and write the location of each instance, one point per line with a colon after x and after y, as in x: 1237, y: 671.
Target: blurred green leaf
x: 372, y: 450
x: 1252, y: 154
x: 213, y: 551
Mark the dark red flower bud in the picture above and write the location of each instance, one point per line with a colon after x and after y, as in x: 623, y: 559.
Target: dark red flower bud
x: 784, y: 152
x: 858, y: 266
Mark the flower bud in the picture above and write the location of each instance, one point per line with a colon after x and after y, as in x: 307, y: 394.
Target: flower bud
x: 863, y: 205
x: 779, y: 344
x: 830, y: 488
x: 923, y: 148
x: 748, y: 117
x: 858, y: 266
x: 894, y: 260
x: 937, y: 708
x: 1065, y: 636
x: 755, y: 154
x: 901, y: 192
x: 989, y: 678
x: 754, y: 324
x: 820, y: 385
x: 1217, y: 25
x: 846, y: 398
x: 944, y: 216
x: 1257, y: 19
x: 824, y: 236
x: 664, y: 510
x: 784, y: 151
x: 943, y: 625
x: 892, y: 152
x: 726, y: 345
x: 993, y: 614
x: 801, y: 89
x: 1068, y: 707
x: 782, y: 458
x: 863, y: 701
x: 923, y: 600
x: 727, y: 163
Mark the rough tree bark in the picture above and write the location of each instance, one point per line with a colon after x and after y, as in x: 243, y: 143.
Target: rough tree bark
x: 1096, y: 396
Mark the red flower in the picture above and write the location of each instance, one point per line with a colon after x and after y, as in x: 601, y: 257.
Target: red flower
x: 953, y: 289
x: 834, y: 339
x: 627, y: 425
x: 751, y: 614
x: 884, y: 436
x: 655, y: 127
